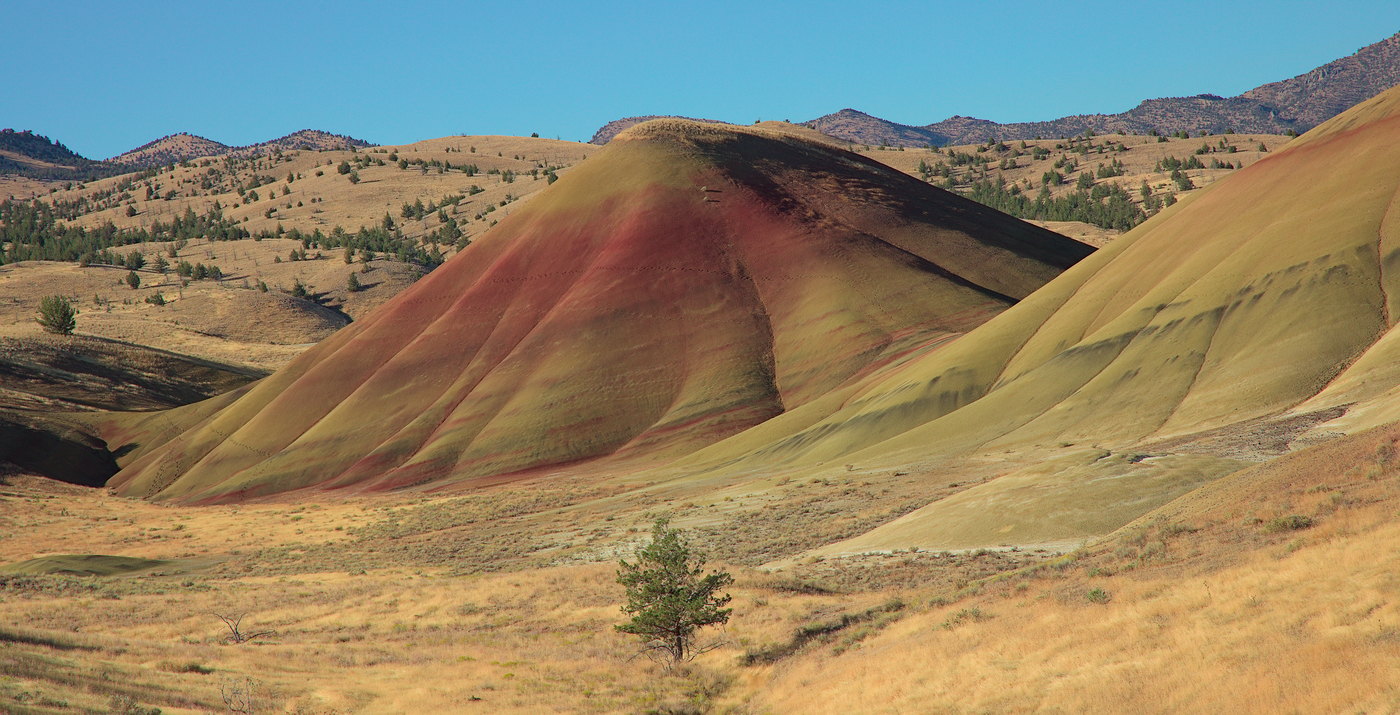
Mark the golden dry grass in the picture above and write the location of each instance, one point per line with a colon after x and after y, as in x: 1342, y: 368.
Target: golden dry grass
x: 1202, y: 606
x: 1214, y: 603
x: 229, y: 321
x: 409, y: 638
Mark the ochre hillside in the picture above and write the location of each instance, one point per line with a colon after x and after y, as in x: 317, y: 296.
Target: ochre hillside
x: 687, y: 283
x: 1270, y: 296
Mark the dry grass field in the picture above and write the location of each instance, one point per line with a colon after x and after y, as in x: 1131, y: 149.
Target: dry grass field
x: 1270, y: 591
x: 229, y: 320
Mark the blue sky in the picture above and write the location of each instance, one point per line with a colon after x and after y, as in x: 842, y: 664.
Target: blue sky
x: 105, y: 77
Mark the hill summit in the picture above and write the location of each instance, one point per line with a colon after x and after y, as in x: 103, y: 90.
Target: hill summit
x: 175, y: 148
x: 688, y: 282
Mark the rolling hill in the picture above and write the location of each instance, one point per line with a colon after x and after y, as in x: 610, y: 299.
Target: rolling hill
x: 685, y: 284
x: 176, y: 148
x: 25, y: 153
x: 1268, y: 298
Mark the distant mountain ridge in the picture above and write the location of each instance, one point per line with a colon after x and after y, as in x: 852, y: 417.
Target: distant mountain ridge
x: 25, y: 153
x: 1296, y: 104
x: 183, y: 146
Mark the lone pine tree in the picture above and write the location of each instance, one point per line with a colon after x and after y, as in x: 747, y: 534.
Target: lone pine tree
x: 57, y: 315
x: 667, y: 596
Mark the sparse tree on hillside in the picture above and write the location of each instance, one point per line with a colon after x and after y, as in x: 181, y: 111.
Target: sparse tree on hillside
x: 344, y: 167
x: 57, y: 315
x: 235, y: 627
x: 352, y: 284
x: 668, y: 598
x: 133, y: 280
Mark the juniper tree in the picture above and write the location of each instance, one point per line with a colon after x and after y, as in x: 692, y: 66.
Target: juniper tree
x: 57, y: 315
x: 667, y: 596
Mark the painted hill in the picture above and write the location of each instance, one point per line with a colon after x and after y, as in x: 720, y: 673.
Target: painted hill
x: 685, y: 284
x: 1255, y: 314
x: 1296, y: 104
x: 176, y: 148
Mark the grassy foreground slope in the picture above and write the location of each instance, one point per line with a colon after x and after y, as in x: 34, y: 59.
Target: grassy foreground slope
x: 1240, y: 303
x: 1268, y: 591
x: 1271, y: 590
x: 687, y: 283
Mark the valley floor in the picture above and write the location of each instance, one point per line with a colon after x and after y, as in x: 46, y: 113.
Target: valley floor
x: 1271, y: 590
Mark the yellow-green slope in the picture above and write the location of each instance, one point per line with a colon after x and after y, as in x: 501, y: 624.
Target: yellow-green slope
x: 1243, y: 302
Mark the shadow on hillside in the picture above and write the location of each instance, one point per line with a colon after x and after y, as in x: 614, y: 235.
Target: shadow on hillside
x: 324, y: 300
